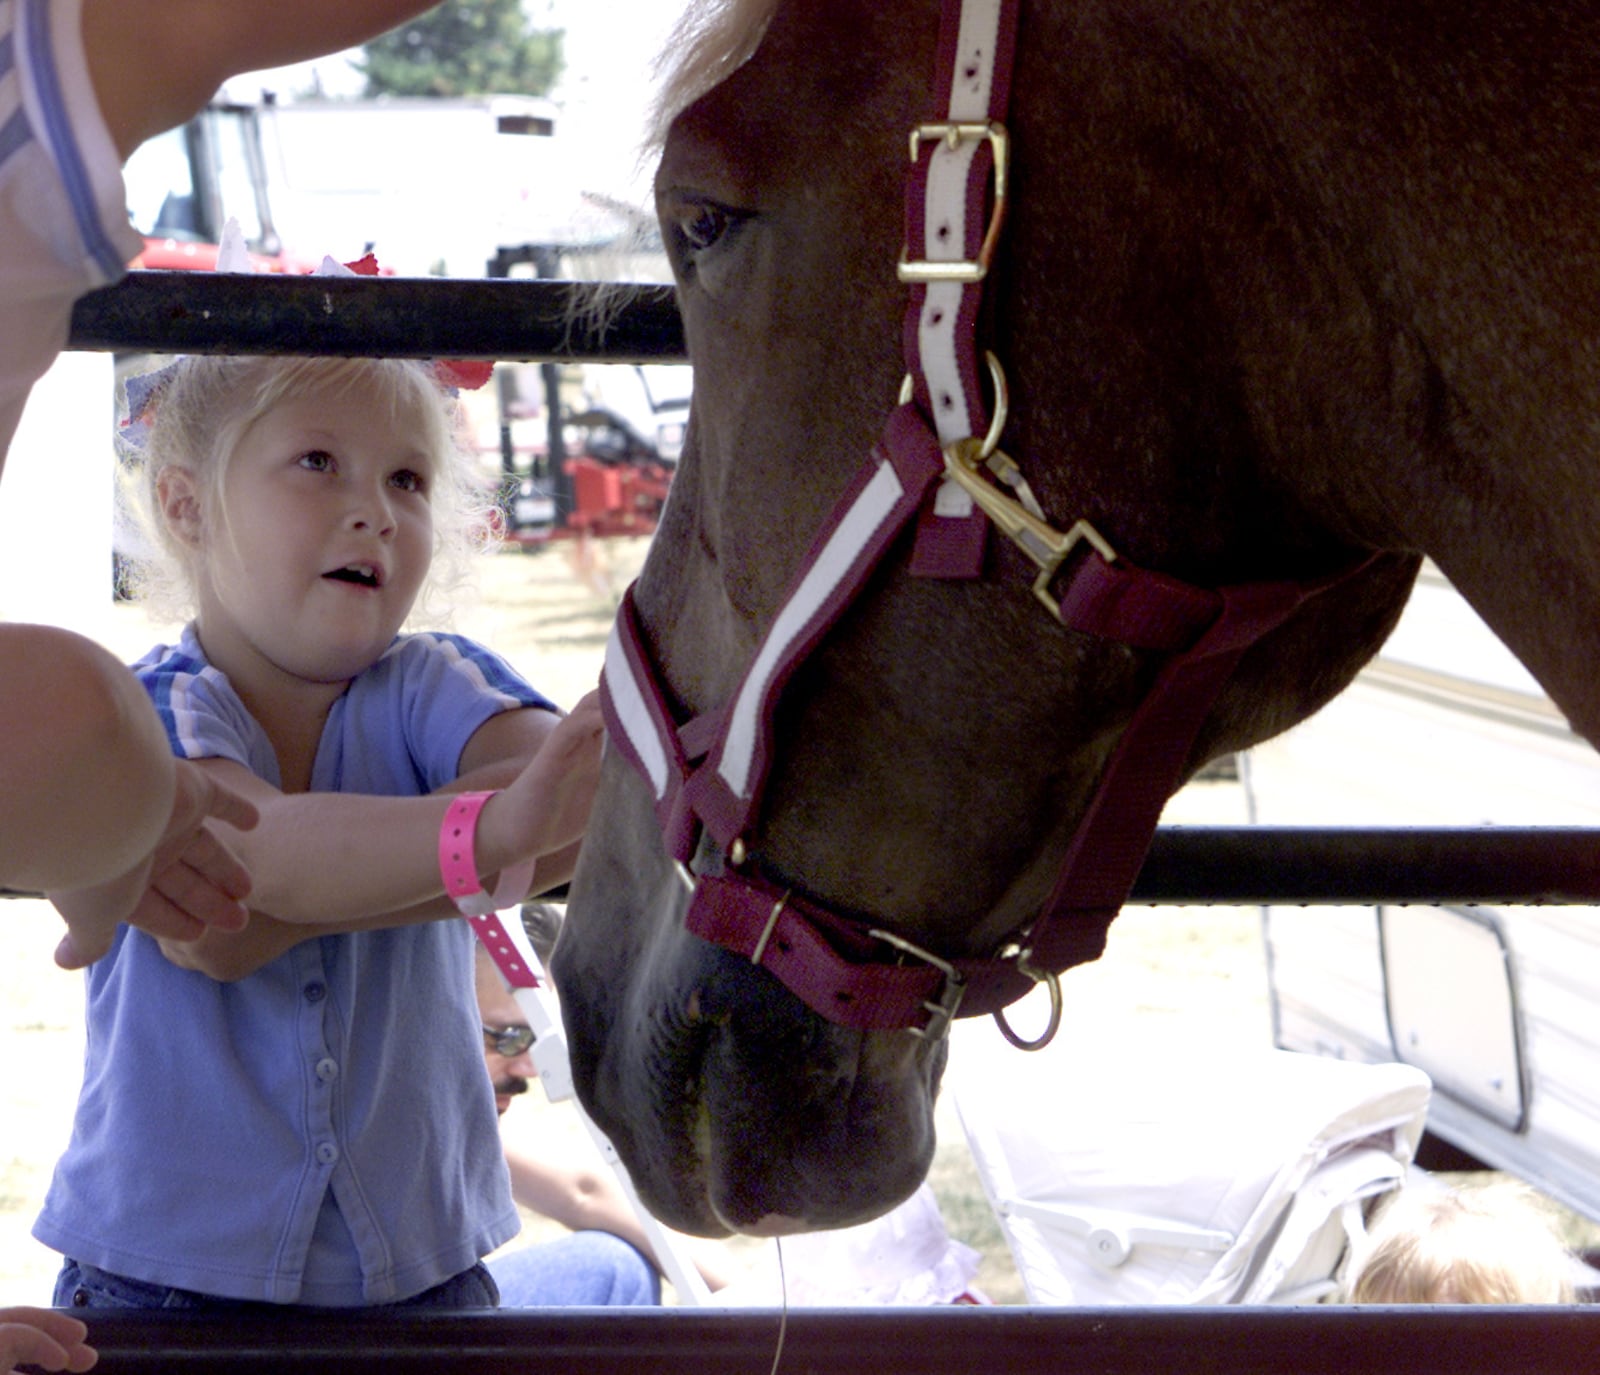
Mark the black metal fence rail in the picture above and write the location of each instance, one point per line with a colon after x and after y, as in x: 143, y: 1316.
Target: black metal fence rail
x: 1368, y: 866
x: 928, y: 1341
x: 388, y: 317
x: 1363, y: 866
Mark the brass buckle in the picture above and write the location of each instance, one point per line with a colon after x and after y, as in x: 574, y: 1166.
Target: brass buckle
x: 941, y: 1011
x: 953, y: 135
x: 965, y: 462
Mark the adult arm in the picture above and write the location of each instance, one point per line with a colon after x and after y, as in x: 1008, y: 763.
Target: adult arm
x: 583, y: 1199
x: 153, y: 63
x: 93, y: 807
x: 87, y: 778
x: 579, y: 1198
x: 189, y: 885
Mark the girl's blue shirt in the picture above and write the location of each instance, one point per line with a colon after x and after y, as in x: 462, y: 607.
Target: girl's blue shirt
x: 322, y: 1131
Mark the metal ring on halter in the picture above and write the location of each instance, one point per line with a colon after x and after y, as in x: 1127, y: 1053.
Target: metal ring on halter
x: 1049, y: 979
x: 1002, y: 402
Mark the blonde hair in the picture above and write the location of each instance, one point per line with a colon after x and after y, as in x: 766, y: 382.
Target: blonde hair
x: 712, y: 40
x: 1493, y: 1244
x: 204, y: 406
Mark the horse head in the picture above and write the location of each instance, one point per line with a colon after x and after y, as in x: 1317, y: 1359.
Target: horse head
x: 1217, y: 350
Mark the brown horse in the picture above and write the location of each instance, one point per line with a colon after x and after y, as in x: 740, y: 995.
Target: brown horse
x: 1281, y: 287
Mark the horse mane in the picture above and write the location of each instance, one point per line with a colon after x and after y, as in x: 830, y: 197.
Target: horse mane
x: 712, y: 40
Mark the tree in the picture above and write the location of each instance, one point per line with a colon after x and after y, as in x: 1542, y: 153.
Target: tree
x: 464, y: 47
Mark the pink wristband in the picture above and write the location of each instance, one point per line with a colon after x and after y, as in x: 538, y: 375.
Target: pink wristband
x: 459, y: 869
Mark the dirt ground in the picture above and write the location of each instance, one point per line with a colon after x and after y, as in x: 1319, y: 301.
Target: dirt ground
x: 1190, y: 976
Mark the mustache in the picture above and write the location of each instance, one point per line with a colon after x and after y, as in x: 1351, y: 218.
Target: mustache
x: 510, y: 1087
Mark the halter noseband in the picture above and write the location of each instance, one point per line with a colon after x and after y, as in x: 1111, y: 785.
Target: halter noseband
x: 929, y: 470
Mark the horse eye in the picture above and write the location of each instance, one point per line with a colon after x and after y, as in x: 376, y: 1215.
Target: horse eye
x: 701, y: 234
x: 703, y: 225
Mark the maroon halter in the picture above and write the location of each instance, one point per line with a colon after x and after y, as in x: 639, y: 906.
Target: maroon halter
x: 707, y: 775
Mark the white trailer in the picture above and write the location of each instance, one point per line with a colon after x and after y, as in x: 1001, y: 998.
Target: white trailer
x: 1501, y: 1006
x: 432, y: 186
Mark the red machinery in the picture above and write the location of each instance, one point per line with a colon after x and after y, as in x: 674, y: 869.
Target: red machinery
x: 184, y: 185
x: 616, y: 499
x: 616, y: 484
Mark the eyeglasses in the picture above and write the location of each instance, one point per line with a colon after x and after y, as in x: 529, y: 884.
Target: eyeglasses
x: 509, y: 1041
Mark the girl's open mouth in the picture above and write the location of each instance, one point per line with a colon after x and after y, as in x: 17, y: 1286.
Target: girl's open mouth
x: 361, y: 574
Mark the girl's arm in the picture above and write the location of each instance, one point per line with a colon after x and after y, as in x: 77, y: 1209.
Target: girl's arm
x: 225, y: 954
x: 153, y: 63
x: 325, y: 863
x: 331, y: 857
x: 229, y: 955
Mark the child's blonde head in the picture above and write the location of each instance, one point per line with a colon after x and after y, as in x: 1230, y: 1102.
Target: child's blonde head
x: 204, y: 406
x: 1479, y: 1245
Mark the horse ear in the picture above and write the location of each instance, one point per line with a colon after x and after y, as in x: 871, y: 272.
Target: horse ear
x: 178, y: 491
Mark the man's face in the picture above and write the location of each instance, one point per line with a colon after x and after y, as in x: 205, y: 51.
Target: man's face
x: 498, y: 1010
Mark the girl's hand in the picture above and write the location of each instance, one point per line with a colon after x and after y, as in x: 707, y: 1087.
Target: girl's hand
x: 45, y: 1338
x: 547, y: 807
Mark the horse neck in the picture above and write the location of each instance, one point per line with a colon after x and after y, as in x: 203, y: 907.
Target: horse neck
x: 1404, y: 270
x: 1440, y: 170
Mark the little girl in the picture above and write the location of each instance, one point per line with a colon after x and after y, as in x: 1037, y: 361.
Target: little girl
x: 297, y: 1113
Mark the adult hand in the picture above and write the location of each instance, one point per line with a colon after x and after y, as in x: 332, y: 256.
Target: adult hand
x: 44, y: 1338
x: 190, y: 882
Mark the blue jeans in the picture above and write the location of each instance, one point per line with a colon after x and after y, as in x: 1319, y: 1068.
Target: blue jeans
x: 84, y: 1286
x: 584, y: 1270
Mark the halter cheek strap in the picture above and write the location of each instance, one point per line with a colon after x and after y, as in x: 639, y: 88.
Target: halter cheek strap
x: 871, y: 979
x: 955, y: 208
x: 707, y: 775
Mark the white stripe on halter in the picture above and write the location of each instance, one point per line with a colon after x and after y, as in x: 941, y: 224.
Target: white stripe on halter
x: 832, y: 565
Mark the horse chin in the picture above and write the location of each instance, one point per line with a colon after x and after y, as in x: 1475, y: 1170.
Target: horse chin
x: 809, y: 1125
x: 733, y: 1105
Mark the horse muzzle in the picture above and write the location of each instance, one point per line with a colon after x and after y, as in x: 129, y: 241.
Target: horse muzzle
x: 734, y: 1106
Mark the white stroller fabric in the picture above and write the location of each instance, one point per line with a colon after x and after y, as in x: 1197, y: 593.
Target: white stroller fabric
x: 905, y: 1257
x: 1175, y: 1179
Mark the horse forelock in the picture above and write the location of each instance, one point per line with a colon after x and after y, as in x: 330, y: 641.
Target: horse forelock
x: 713, y: 39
